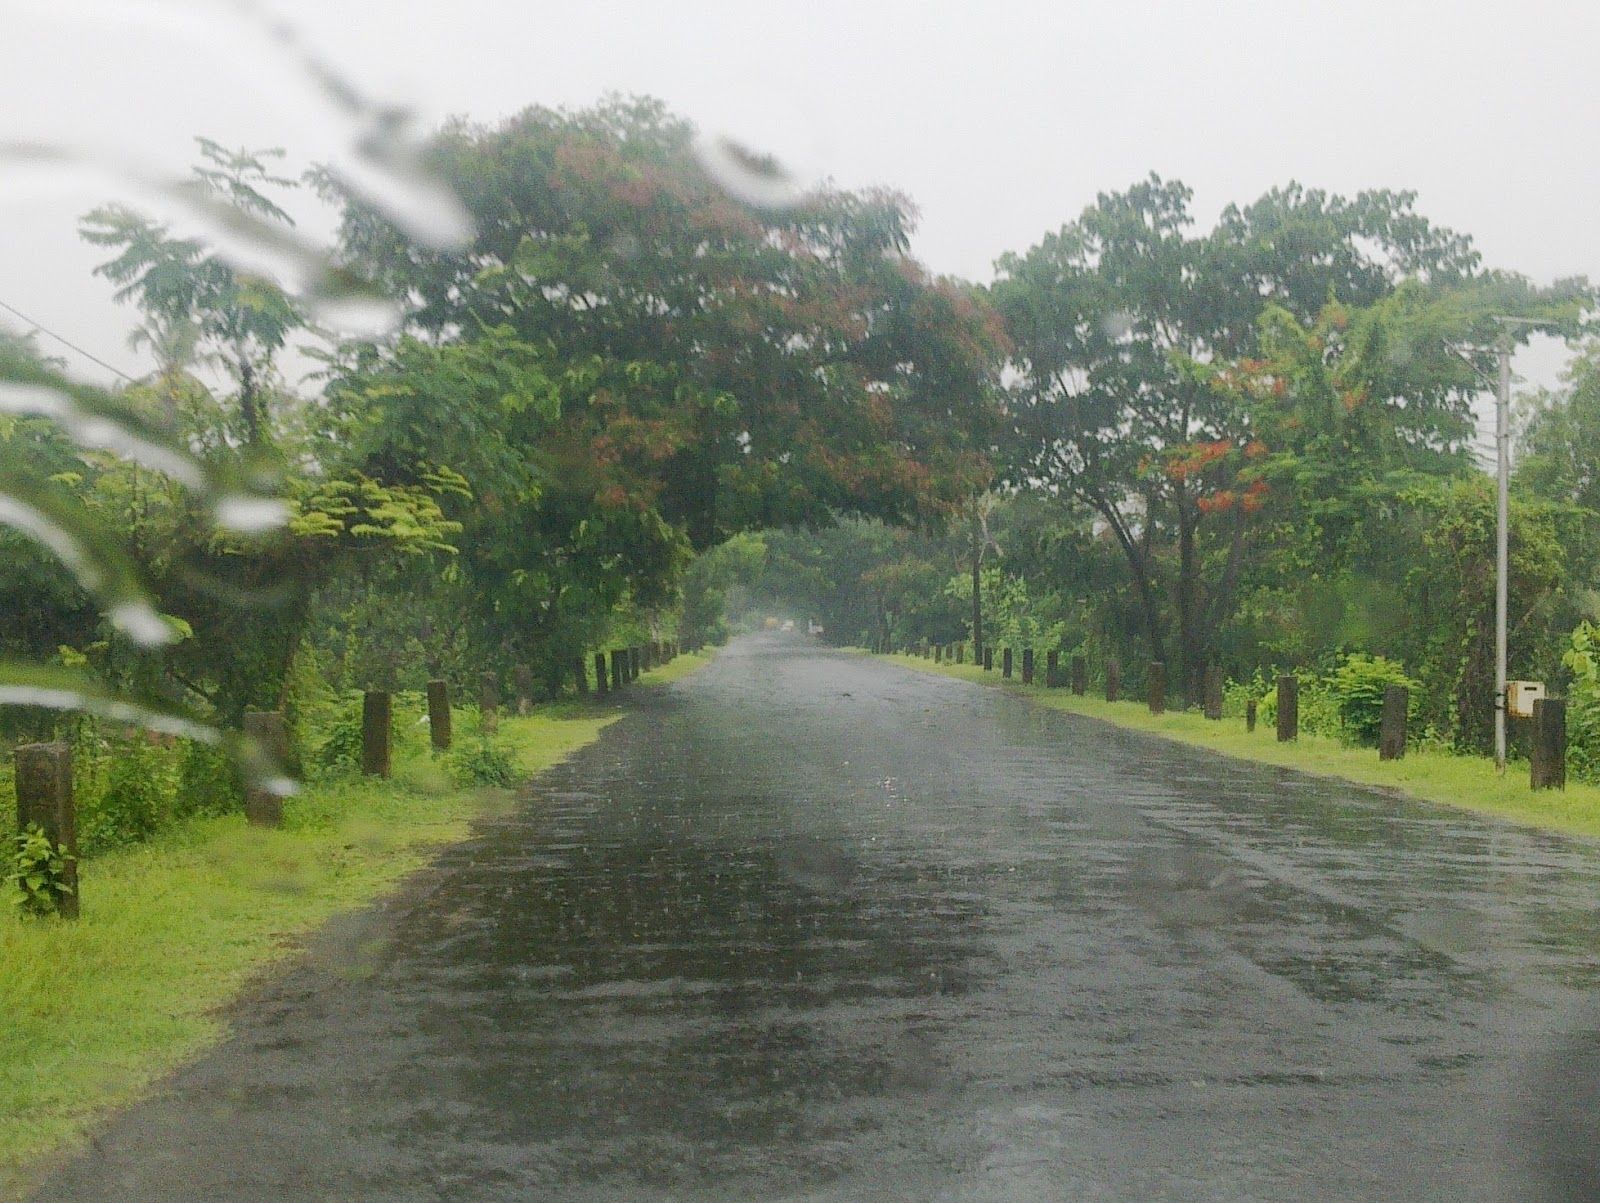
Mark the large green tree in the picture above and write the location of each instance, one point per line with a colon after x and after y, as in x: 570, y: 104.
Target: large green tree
x: 750, y: 367
x: 1169, y: 380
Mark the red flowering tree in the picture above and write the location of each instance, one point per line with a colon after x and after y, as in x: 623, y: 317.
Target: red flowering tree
x: 1144, y: 391
x: 717, y: 366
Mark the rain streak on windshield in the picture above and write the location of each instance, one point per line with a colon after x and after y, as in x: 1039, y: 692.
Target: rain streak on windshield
x: 825, y: 602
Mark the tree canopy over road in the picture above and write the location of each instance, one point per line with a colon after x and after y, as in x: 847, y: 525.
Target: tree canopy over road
x: 1248, y: 445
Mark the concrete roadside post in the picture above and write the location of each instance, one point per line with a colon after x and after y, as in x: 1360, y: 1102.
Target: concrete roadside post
x: 1548, y: 763
x: 600, y: 672
x: 376, y: 735
x: 44, y: 796
x: 1214, y: 693
x: 439, y: 715
x: 1288, y: 708
x: 1392, y: 723
x: 1080, y: 675
x: 1156, y: 688
x: 1027, y: 666
x: 489, y: 701
x: 1113, y: 680
x: 267, y: 728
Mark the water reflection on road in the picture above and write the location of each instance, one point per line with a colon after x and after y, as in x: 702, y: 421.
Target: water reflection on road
x: 808, y: 926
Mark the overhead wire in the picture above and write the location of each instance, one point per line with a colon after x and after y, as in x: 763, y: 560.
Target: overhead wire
x: 65, y: 342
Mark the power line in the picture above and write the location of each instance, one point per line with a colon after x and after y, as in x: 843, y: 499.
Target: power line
x: 43, y: 329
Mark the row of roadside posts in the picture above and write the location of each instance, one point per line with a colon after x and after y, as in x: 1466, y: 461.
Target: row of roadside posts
x: 44, y: 770
x: 1547, y: 737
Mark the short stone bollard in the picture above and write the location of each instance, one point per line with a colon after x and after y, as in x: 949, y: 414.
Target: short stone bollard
x: 988, y: 659
x: 522, y: 682
x: 1113, y: 680
x: 376, y: 734
x: 938, y: 654
x: 619, y: 669
x: 439, y: 715
x: 1250, y: 715
x: 1156, y: 688
x: 489, y: 701
x: 1052, y: 669
x: 1005, y: 664
x: 1080, y: 675
x: 600, y: 672
x: 1392, y: 723
x: 580, y: 675
x: 1288, y: 708
x: 1027, y: 666
x: 269, y: 732
x: 1213, y: 693
x: 961, y: 651
x: 44, y: 796
x: 1548, y: 762
x: 635, y: 663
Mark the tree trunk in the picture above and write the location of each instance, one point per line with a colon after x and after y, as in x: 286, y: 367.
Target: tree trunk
x: 249, y: 404
x: 1192, y: 657
x: 1138, y: 561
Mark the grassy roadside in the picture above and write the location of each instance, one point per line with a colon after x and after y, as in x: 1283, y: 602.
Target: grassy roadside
x: 1468, y: 782
x: 93, y: 1012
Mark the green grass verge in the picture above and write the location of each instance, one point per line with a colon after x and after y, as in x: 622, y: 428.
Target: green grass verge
x: 1468, y: 782
x: 684, y: 664
x: 93, y: 1012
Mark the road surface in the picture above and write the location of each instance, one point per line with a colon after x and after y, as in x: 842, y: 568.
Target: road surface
x: 808, y: 926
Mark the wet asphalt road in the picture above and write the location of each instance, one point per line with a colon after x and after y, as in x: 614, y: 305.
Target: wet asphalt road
x: 807, y: 926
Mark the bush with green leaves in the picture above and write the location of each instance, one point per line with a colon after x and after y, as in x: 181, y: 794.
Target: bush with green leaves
x: 39, y: 872
x: 1237, y: 695
x: 1345, y: 701
x: 340, y: 749
x: 134, y: 793
x: 480, y: 762
x: 1582, y: 660
x: 1317, y: 707
x: 1357, y: 687
x: 209, y: 782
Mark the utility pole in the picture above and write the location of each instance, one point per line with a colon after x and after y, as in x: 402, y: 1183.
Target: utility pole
x: 1502, y: 439
x: 1502, y: 558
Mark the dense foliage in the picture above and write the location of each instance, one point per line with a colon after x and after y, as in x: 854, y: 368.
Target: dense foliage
x: 633, y: 405
x: 624, y: 367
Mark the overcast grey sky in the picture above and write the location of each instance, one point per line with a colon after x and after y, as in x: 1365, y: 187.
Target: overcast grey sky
x: 1001, y: 119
